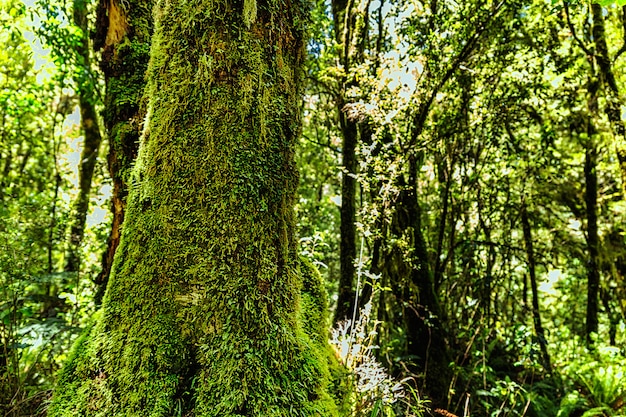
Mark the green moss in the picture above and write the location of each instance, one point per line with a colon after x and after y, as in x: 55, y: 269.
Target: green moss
x: 316, y: 322
x: 314, y: 304
x: 249, y: 12
x: 202, y: 312
x: 125, y: 65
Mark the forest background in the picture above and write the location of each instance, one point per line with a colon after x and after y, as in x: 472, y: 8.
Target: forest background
x: 462, y: 192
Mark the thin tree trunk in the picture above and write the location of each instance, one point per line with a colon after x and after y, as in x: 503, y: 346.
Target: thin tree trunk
x: 593, y: 272
x: 613, y: 103
x: 591, y: 210
x: 5, y: 159
x: 445, y: 199
x: 93, y: 138
x: 530, y: 253
x: 348, y: 16
x: 411, y: 279
x: 6, y: 172
x: 612, y: 109
x: 348, y: 252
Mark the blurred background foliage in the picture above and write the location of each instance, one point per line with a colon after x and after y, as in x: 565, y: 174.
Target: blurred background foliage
x: 462, y: 168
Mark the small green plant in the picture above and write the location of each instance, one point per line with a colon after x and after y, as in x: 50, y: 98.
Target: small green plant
x: 597, y: 384
x: 504, y: 398
x: 376, y: 393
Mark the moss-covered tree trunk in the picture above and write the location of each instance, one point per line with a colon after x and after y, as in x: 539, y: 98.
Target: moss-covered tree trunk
x: 123, y: 35
x: 200, y: 316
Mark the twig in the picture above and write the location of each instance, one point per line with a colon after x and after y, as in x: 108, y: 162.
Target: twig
x: 573, y: 30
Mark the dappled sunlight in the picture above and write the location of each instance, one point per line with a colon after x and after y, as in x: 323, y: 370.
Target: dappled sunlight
x: 338, y: 209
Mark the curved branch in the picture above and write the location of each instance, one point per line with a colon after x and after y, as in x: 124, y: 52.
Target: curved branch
x: 572, y: 29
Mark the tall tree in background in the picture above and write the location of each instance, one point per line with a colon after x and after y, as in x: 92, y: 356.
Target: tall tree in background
x: 532, y: 272
x: 612, y: 106
x: 591, y: 208
x: 351, y: 31
x: 601, y: 81
x: 92, y: 136
x: 406, y: 264
x: 201, y: 312
x: 593, y: 267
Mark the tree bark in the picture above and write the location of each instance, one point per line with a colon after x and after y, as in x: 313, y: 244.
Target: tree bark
x: 201, y: 314
x: 591, y: 209
x: 593, y: 272
x: 123, y: 35
x: 530, y: 253
x: 347, y: 229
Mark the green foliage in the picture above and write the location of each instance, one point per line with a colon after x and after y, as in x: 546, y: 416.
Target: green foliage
x: 596, y: 381
x: 41, y: 308
x: 611, y: 2
x: 374, y: 392
x: 501, y: 125
x: 37, y: 319
x: 68, y: 45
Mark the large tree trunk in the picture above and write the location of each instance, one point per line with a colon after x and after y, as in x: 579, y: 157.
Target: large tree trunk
x: 201, y: 312
x: 123, y: 35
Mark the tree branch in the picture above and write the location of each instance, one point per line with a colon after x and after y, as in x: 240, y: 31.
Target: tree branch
x: 573, y: 30
x: 419, y: 118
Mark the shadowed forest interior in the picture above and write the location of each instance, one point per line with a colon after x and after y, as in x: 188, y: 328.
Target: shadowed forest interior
x: 313, y: 208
